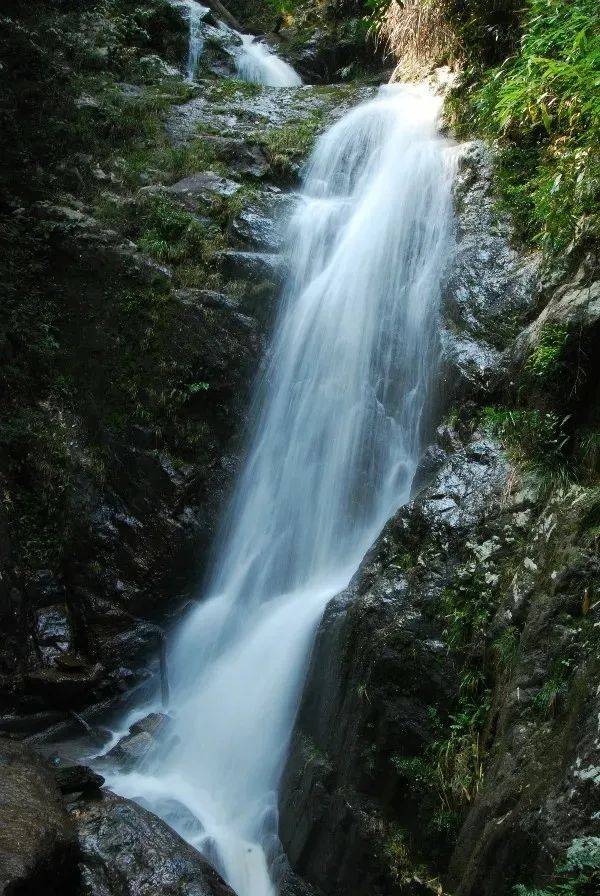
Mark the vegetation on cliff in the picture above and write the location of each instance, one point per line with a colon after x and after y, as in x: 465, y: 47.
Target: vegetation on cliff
x: 528, y: 79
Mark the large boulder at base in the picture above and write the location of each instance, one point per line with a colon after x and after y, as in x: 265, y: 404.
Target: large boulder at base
x: 38, y: 847
x: 127, y: 851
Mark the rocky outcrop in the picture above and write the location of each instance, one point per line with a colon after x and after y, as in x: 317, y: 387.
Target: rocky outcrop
x: 126, y: 851
x: 38, y: 845
x: 381, y: 679
x: 451, y: 696
x: 138, y: 745
x: 150, y: 242
x: 126, y: 393
x: 447, y: 737
x: 491, y: 288
x: 60, y: 835
x: 540, y: 790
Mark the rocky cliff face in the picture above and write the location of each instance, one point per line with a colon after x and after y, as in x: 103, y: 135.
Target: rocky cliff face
x: 61, y: 835
x: 129, y: 369
x: 140, y: 268
x: 448, y: 732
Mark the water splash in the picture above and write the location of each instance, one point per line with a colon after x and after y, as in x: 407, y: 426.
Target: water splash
x: 335, y: 443
x: 257, y: 64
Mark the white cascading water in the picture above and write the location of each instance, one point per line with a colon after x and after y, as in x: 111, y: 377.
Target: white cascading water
x: 257, y: 64
x: 196, y: 14
x: 332, y: 454
x: 254, y: 61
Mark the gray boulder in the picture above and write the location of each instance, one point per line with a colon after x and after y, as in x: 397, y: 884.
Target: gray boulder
x: 127, y: 851
x: 38, y: 846
x: 140, y: 742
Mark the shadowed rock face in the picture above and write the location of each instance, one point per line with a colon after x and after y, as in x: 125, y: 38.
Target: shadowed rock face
x: 140, y: 512
x: 97, y: 844
x: 150, y: 362
x: 367, y: 801
x: 383, y: 680
x: 491, y: 289
x: 38, y: 844
x: 127, y: 851
x: 379, y: 667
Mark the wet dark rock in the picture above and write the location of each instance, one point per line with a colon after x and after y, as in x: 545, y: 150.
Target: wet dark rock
x: 491, y: 285
x: 378, y: 668
x: 208, y: 298
x: 132, y: 750
x: 252, y: 265
x: 45, y: 588
x: 151, y: 724
x: 64, y: 688
x: 491, y: 289
x: 127, y: 851
x: 382, y: 662
x: 573, y: 305
x: 52, y: 632
x: 20, y: 726
x: 242, y: 157
x: 198, y: 190
x: 541, y: 776
x: 142, y: 739
x: 326, y: 43
x: 38, y: 847
x: 77, y: 779
x: 75, y: 234
x: 260, y: 227
x: 290, y: 884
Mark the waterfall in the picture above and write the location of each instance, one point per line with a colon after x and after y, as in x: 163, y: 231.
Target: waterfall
x: 259, y: 65
x: 253, y: 60
x: 196, y: 14
x: 334, y: 445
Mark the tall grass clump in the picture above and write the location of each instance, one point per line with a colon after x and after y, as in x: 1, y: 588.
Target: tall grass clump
x: 542, y: 106
x: 530, y: 82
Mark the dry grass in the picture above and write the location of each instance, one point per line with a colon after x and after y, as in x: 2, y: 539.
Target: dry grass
x: 417, y: 33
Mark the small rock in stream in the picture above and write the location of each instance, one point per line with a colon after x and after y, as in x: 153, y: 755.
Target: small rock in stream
x: 142, y: 739
x: 78, y: 779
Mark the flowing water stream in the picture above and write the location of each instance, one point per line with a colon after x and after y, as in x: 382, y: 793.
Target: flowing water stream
x: 334, y: 444
x: 254, y: 60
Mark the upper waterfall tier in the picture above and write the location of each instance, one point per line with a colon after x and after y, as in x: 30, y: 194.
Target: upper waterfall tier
x: 251, y: 58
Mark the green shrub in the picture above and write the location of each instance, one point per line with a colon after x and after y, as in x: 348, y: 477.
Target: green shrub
x: 546, y: 360
x: 533, y: 438
x: 170, y: 233
x: 506, y: 648
x: 578, y: 875
x: 543, y: 106
x: 548, y: 698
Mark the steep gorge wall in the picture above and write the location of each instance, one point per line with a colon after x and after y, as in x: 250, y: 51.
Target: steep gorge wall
x: 138, y: 283
x: 448, y: 734
x: 447, y: 738
x: 130, y: 339
x: 449, y: 726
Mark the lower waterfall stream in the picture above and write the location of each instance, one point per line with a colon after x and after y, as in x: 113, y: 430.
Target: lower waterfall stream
x: 334, y: 444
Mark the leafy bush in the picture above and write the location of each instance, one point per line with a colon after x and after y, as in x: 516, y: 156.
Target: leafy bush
x: 170, y: 233
x: 578, y: 875
x: 533, y: 438
x: 543, y: 105
x: 545, y: 360
x: 555, y: 688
